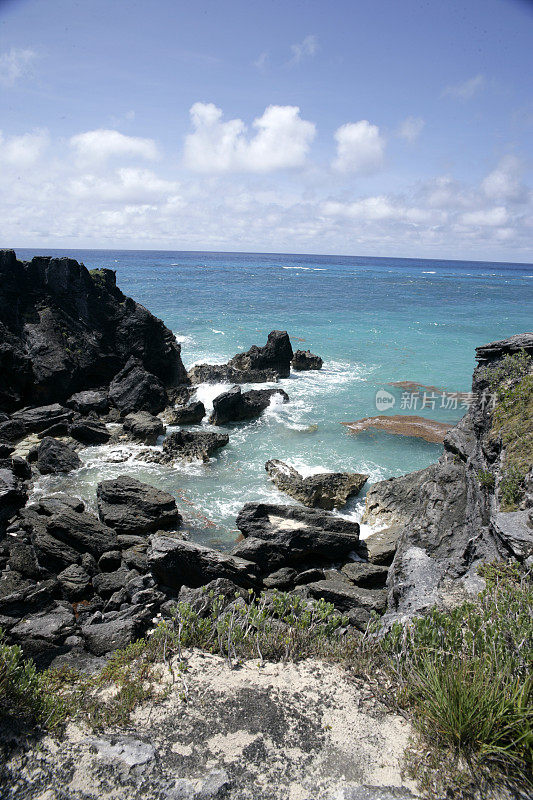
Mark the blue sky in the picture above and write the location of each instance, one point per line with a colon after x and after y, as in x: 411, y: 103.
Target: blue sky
x: 367, y: 127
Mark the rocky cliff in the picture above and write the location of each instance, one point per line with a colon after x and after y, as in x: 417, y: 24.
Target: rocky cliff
x: 474, y: 504
x: 64, y: 329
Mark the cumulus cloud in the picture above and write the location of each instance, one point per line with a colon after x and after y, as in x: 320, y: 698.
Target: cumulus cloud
x: 282, y: 140
x: 504, y: 182
x: 491, y: 217
x: 101, y: 144
x: 466, y: 90
x: 372, y: 209
x: 307, y: 47
x: 411, y: 128
x: 22, y: 151
x: 360, y: 147
x: 15, y: 64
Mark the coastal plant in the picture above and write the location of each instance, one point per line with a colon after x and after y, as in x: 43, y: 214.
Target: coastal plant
x: 509, y: 368
x: 511, y: 487
x: 486, y: 480
x: 465, y: 674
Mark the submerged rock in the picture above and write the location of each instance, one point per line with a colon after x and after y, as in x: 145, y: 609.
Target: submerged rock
x: 306, y: 360
x: 235, y: 405
x: 131, y: 507
x: 54, y: 456
x: 193, y: 445
x: 327, y: 490
x: 144, y: 427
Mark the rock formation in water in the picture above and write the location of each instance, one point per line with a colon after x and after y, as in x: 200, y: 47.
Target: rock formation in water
x: 64, y: 330
x: 326, y: 490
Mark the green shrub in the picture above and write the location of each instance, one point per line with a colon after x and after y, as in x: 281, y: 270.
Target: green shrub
x: 486, y: 479
x: 509, y: 368
x: 511, y: 487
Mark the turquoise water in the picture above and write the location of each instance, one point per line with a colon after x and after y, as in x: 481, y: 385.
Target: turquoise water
x: 373, y: 321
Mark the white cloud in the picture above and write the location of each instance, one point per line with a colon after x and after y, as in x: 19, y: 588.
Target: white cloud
x: 411, y: 128
x: 466, y: 90
x: 282, y: 141
x: 22, y: 151
x: 15, y: 64
x: 491, y: 217
x: 372, y: 209
x: 307, y: 47
x: 101, y: 144
x: 360, y: 147
x: 127, y: 184
x: 504, y: 182
x: 261, y: 61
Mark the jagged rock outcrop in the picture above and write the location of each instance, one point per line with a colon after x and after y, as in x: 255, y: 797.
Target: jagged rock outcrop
x: 236, y: 405
x: 191, y: 414
x: 143, y: 427
x: 327, y: 490
x: 304, y: 360
x: 55, y: 456
x: 135, y: 389
x: 257, y: 365
x: 64, y: 330
x: 224, y: 373
x: 445, y: 521
x: 193, y: 445
x: 177, y: 562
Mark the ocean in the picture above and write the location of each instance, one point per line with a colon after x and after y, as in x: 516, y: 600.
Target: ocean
x: 374, y: 321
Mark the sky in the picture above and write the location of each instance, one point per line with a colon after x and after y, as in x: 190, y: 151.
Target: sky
x: 357, y: 127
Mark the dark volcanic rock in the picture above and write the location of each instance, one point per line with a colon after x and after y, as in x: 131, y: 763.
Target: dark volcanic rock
x: 55, y: 456
x: 91, y: 401
x: 13, y: 495
x: 345, y: 596
x: 135, y: 389
x: 326, y: 490
x: 281, y: 536
x: 193, y: 445
x: 74, y: 581
x: 64, y: 330
x: 224, y: 373
x: 89, y: 432
x: 104, y: 637
x: 191, y: 414
x: 180, y: 563
x: 144, y: 427
x: 235, y: 405
x: 43, y: 417
x: 131, y: 507
x: 81, y: 531
x: 370, y: 576
x: 11, y: 430
x: 276, y: 354
x: 305, y: 360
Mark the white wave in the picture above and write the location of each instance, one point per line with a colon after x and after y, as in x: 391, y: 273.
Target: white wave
x: 215, y: 331
x: 429, y: 272
x: 183, y: 338
x: 206, y: 392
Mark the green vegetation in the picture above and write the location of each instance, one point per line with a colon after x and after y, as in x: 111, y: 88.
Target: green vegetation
x: 512, y: 420
x: 463, y: 676
x: 486, y: 480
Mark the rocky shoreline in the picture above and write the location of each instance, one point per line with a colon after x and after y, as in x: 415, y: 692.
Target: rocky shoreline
x: 76, y: 354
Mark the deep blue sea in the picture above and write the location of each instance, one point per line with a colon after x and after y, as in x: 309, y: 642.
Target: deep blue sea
x: 373, y: 321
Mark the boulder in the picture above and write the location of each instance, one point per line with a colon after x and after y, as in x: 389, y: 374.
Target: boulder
x: 54, y: 456
x: 74, y: 581
x: 131, y: 507
x: 367, y: 575
x: 144, y: 427
x: 177, y: 563
x: 104, y: 637
x: 380, y: 547
x: 326, y: 490
x: 135, y: 389
x: 235, y: 405
x: 107, y: 583
x: 221, y: 591
x: 80, y: 531
x: 51, y: 625
x: 11, y: 430
x: 92, y: 401
x: 193, y: 445
x: 191, y: 414
x: 357, y: 603
x: 276, y: 354
x: 306, y: 360
x: 39, y: 419
x: 224, y: 373
x: 280, y: 536
x: 89, y: 432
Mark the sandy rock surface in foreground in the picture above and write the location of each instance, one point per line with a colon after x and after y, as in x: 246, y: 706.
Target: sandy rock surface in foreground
x: 302, y: 731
